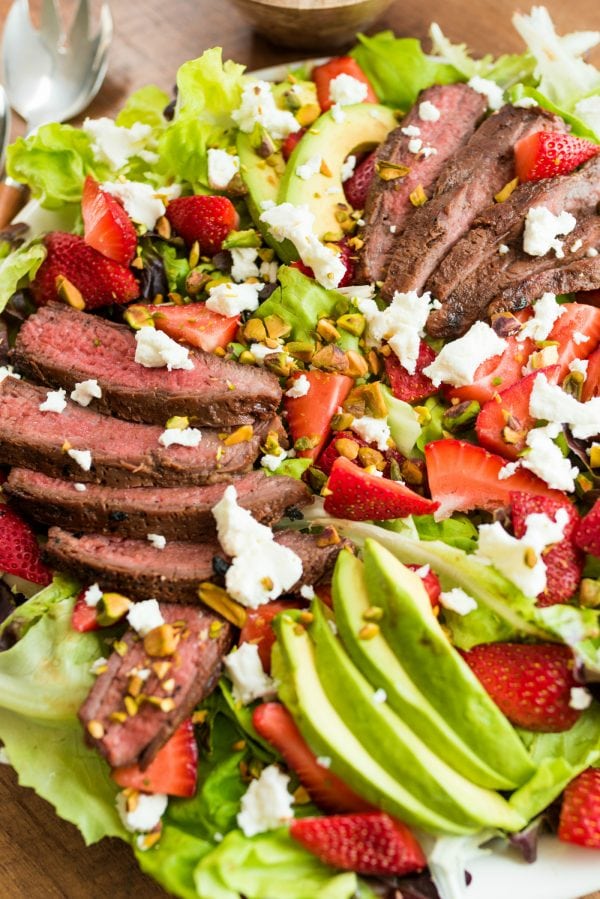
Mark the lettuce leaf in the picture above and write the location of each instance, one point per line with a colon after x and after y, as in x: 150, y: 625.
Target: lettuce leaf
x: 504, y: 70
x: 403, y: 422
x: 26, y: 615
x: 301, y: 302
x: 458, y: 531
x: 292, y: 468
x: 578, y: 126
x: 22, y: 263
x: 145, y: 105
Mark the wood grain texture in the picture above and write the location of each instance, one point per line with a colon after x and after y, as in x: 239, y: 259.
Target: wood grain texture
x: 40, y: 856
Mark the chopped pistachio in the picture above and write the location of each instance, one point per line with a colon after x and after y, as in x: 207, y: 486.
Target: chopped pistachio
x: 161, y: 641
x: 131, y: 706
x: 163, y: 227
x: 418, y: 197
x: 353, y: 322
x: 246, y: 358
x: 217, y: 599
x: 506, y: 191
x: 307, y: 114
x: 138, y: 316
x: 254, y: 331
x: 368, y: 631
x: 358, y: 367
x: 531, y: 557
x: 341, y: 421
x: 347, y: 448
x: 306, y: 443
x: 389, y: 171
x: 327, y: 330
x: 411, y: 473
x: 589, y: 593
x: 328, y: 537
x: 330, y: 358
x: 241, y: 435
x: 277, y: 327
x: 178, y: 423
x: 461, y: 416
x: 373, y: 613
x: 69, y: 293
x: 95, y: 729
x: 301, y: 349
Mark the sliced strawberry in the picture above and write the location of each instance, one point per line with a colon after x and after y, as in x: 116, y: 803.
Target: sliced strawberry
x: 324, y: 74
x: 348, y: 257
x: 84, y: 618
x: 591, y: 385
x: 587, y: 533
x: 411, y: 388
x: 275, y: 724
x: 99, y: 280
x: 310, y: 416
x: 496, y: 373
x: 290, y: 143
x: 196, y: 325
x: 19, y: 550
x: 463, y: 476
x: 356, y: 187
x: 530, y: 683
x: 207, y: 220
x: 174, y: 770
x: 504, y: 422
x: 323, y: 591
x: 106, y: 226
x: 373, y: 844
x: 579, y: 820
x: 355, y: 494
x: 431, y: 582
x: 546, y: 154
x: 258, y: 628
x: 577, y: 320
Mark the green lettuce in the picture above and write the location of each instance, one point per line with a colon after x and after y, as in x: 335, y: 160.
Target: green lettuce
x: 578, y: 628
x: 146, y: 105
x: 403, y: 422
x: 504, y: 70
x: 292, y: 468
x: 458, y: 531
x: 578, y: 126
x: 301, y: 302
x: 26, y: 615
x: 433, y: 430
x: 18, y: 266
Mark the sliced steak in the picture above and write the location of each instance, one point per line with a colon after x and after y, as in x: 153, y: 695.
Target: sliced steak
x: 467, y: 184
x: 178, y: 513
x: 123, y: 453
x: 172, y: 574
x: 388, y: 204
x: 193, y: 670
x: 60, y: 346
x: 465, y: 282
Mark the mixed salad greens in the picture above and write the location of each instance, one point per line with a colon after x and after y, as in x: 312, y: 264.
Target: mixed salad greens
x: 429, y: 747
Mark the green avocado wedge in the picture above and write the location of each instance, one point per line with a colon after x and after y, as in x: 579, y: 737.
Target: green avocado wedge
x: 391, y: 742
x: 363, y: 127
x: 436, y: 669
x: 377, y: 662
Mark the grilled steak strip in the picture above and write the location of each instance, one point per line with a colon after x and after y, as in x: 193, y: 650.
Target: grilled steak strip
x: 123, y: 453
x: 172, y: 574
x: 60, y: 346
x: 195, y: 669
x: 388, y: 203
x: 467, y: 184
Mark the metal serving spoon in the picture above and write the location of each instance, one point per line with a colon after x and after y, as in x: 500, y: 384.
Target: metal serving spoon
x: 50, y: 76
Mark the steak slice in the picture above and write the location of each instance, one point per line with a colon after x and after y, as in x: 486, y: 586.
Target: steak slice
x: 178, y: 513
x: 172, y: 574
x: 388, y: 203
x: 123, y: 453
x: 195, y: 670
x: 467, y: 184
x: 60, y: 346
x: 466, y: 280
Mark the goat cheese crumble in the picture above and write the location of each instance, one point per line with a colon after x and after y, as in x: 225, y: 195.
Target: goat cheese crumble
x: 542, y: 230
x: 402, y: 324
x: 231, y: 299
x: 180, y: 436
x: 149, y: 809
x: 115, y: 145
x: 311, y: 167
x: 373, y: 430
x: 222, y: 168
x: 249, y: 679
x: 82, y: 457
x: 258, y: 106
x: 144, y: 616
x: 458, y: 360
x: 348, y: 167
x: 488, y: 89
x: 428, y: 111
x: 266, y: 804
x: 456, y: 600
x: 546, y: 460
x: 86, y: 391
x: 141, y: 202
x: 580, y: 698
x: 7, y: 371
x: 299, y: 388
x: 157, y: 540
x: 56, y: 401
x: 244, y: 263
x: 92, y: 596
x: 155, y: 349
x: 545, y: 313
x: 550, y: 403
x: 346, y: 90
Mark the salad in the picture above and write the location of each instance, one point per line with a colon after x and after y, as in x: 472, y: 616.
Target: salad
x: 299, y: 435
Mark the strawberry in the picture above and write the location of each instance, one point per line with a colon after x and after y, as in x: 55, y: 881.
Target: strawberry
x: 373, y: 843
x: 258, y: 628
x: 463, y: 477
x: 324, y: 74
x: 577, y: 319
x: 84, y: 618
x: 411, y: 388
x: 431, y: 582
x: 106, y: 226
x: 530, y: 683
x: 546, y: 154
x: 587, y: 533
x: 310, y: 416
x: 100, y: 281
x: 355, y: 494
x: 346, y: 255
x: 331, y: 453
x: 591, y: 385
x: 275, y: 724
x: 564, y: 562
x: 174, y: 769
x: 207, y: 220
x: 356, y: 187
x: 290, y: 143
x: 19, y: 550
x: 193, y: 323
x: 579, y: 820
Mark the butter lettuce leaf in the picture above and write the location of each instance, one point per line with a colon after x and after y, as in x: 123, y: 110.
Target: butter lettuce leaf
x: 26, y: 615
x: 145, y: 105
x: 292, y: 468
x: 403, y: 422
x: 578, y: 126
x: 301, y: 302
x: 22, y: 264
x: 504, y: 70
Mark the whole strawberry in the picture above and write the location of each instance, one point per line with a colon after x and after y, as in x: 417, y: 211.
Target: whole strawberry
x: 207, y: 220
x: 99, y: 280
x: 587, y: 534
x: 546, y: 154
x: 356, y: 187
x: 580, y: 812
x: 19, y: 550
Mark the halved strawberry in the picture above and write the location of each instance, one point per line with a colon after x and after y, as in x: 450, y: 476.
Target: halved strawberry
x: 106, y: 226
x: 463, y: 476
x: 530, y: 683
x: 100, y: 281
x: 275, y: 724
x: 431, y: 582
x: 497, y: 373
x: 356, y: 187
x: 579, y: 820
x: 290, y: 143
x: 310, y: 416
x: 577, y: 321
x: 173, y: 771
x: 195, y: 324
x: 411, y: 388
x: 324, y: 74
x: 587, y: 533
x: 591, y: 385
x: 19, y: 550
x: 372, y: 844
x: 207, y: 220
x: 84, y: 618
x: 259, y: 628
x: 546, y: 154
x: 347, y: 256
x: 355, y: 494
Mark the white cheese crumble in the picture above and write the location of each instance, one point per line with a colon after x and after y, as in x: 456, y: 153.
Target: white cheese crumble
x: 82, y: 457
x: 258, y: 106
x: 488, y: 89
x: 7, y: 371
x: 272, y: 462
x: 414, y: 145
x: 92, y: 596
x: 379, y: 696
x: 580, y: 698
x: 56, y: 401
x: 296, y: 223
x: 393, y: 229
x: 230, y: 299
x: 268, y: 271
x: 456, y: 600
x: 299, y: 388
x: 86, y: 391
x: 579, y: 338
x: 458, y: 360
x: 249, y: 679
x: 260, y: 351
x: 542, y: 230
x: 423, y: 571
x: 337, y: 113
x: 157, y: 540
x: 411, y: 131
x: 551, y: 403
x: 402, y: 324
x: 426, y: 152
x: 311, y: 167
x: 503, y: 249
x: 266, y: 804
x: 140, y: 201
x: 373, y: 430
x: 180, y: 437
x: 348, y: 166
x: 591, y: 252
x: 114, y: 144
x: 147, y: 813
x: 144, y: 616
x: 546, y: 460
x: 80, y: 488
x: 222, y: 168
x: 346, y: 90
x: 525, y: 103
x: 576, y: 245
x: 155, y: 349
x: 358, y: 291
x: 428, y: 111
x: 307, y: 592
x: 243, y: 263
x: 545, y: 313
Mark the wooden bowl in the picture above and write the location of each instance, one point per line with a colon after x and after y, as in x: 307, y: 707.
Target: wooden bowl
x: 310, y: 24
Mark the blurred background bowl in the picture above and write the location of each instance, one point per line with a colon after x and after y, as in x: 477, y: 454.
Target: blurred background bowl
x: 311, y: 24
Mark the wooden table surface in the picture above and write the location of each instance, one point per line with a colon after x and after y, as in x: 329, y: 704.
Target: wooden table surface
x: 40, y: 856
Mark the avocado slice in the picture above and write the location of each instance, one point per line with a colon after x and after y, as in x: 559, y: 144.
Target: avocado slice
x: 436, y: 669
x: 377, y: 662
x: 294, y: 668
x: 364, y: 126
x: 391, y: 742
